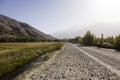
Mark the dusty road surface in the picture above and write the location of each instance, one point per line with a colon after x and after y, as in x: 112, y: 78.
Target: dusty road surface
x: 76, y: 62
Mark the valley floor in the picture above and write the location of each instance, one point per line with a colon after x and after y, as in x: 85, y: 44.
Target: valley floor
x: 70, y: 63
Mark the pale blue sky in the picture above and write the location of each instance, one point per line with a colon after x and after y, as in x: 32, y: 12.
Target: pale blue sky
x: 54, y: 15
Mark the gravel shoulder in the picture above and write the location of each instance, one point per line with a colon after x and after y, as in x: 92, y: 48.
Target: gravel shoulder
x: 109, y: 56
x: 69, y: 64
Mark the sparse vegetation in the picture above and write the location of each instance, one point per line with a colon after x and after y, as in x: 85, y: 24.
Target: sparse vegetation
x: 91, y: 39
x: 15, y: 55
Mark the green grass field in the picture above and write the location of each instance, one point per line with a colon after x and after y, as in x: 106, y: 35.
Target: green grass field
x: 15, y: 55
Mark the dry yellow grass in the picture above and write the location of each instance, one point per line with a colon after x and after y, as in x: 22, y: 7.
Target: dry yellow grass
x: 15, y: 55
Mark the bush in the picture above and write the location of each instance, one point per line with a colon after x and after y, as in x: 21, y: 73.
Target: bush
x: 117, y: 42
x: 88, y: 38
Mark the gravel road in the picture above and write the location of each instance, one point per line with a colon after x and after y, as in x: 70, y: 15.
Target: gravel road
x: 72, y: 64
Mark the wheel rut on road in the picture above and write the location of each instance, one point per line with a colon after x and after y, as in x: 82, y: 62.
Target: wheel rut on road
x: 71, y: 64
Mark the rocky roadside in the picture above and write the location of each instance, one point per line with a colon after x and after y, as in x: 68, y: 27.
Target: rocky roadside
x: 69, y: 64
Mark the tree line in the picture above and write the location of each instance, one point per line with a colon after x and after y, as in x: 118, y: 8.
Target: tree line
x: 22, y: 39
x: 90, y: 39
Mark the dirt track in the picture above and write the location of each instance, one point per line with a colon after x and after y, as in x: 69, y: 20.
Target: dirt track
x: 70, y: 64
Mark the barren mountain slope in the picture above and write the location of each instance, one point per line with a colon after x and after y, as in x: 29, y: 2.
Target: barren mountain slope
x: 11, y: 27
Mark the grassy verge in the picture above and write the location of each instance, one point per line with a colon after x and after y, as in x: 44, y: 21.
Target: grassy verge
x: 39, y: 66
x: 15, y: 55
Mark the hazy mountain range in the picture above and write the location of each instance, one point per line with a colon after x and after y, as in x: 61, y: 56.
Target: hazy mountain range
x: 108, y: 29
x: 12, y: 28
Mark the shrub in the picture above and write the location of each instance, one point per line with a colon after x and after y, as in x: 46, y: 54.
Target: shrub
x: 117, y: 42
x: 88, y: 38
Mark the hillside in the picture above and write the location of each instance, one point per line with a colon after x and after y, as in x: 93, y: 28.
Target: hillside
x: 12, y: 28
x: 108, y: 29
